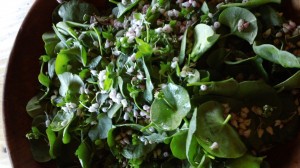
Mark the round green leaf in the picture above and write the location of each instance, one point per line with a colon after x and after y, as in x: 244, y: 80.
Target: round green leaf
x: 231, y: 16
x: 212, y: 128
x: 167, y: 112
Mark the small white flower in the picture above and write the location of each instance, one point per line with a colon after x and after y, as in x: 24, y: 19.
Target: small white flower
x: 112, y: 93
x: 126, y: 116
x: 176, y: 12
x: 140, y: 75
x: 92, y: 109
x: 217, y: 25
x: 143, y: 113
x: 214, y: 146
x: 124, y: 103
x: 186, y: 4
x: 104, y: 109
x: 47, y: 122
x: 93, y: 72
x: 170, y: 13
x: 130, y: 70
x: 167, y: 28
x: 124, y: 2
x: 146, y: 107
x: 135, y: 113
x: 107, y: 44
x: 174, y: 64
x: 116, y: 52
x: 158, y: 30
x: 165, y: 154
x: 203, y: 87
x: 132, y: 57
x: 130, y: 39
x: 102, y: 75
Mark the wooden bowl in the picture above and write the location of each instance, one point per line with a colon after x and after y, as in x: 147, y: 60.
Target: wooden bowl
x: 21, y: 84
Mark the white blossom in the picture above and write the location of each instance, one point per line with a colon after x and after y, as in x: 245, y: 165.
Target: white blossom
x: 124, y: 103
x: 126, y: 116
x: 203, y: 87
x: 214, y: 146
x: 167, y: 28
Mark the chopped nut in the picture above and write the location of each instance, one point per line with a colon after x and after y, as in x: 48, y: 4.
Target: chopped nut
x: 247, y: 133
x: 234, y: 123
x: 260, y: 132
x: 247, y: 122
x: 214, y: 146
x: 270, y: 130
x: 242, y: 126
x: 245, y: 110
x: 244, y: 115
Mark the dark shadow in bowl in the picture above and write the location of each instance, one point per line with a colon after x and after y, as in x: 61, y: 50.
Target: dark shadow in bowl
x: 21, y: 82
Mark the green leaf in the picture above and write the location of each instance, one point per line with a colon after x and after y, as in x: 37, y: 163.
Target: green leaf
x: 44, y: 80
x: 292, y: 82
x: 181, y: 56
x: 250, y: 3
x: 148, y: 95
x: 213, y: 128
x: 246, y: 161
x: 100, y: 131
x: 34, y: 107
x: 228, y: 87
x: 113, y: 110
x: 205, y: 37
x: 231, y: 16
x: 122, y: 9
x: 61, y: 63
x: 61, y: 120
x: 156, y: 138
x: 192, y: 145
x: 84, y: 155
x: 94, y: 62
x: 75, y: 10
x: 271, y: 53
x: 52, y: 140
x: 167, y: 112
x: 50, y: 40
x: 69, y: 83
x: 178, y: 145
x: 144, y: 49
x: 139, y: 150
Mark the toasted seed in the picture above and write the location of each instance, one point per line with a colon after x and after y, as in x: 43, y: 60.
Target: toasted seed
x: 270, y: 130
x: 260, y: 132
x: 247, y: 133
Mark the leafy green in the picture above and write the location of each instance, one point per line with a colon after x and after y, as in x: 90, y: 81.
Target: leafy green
x: 251, y: 3
x: 273, y: 54
x: 100, y: 130
x: 178, y: 145
x: 70, y: 83
x: 247, y: 161
x: 167, y: 112
x: 84, y: 155
x: 231, y: 16
x: 75, y: 11
x: 212, y: 129
x: 204, y: 37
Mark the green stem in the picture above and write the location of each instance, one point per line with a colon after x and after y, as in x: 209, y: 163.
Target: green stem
x: 99, y: 40
x: 227, y: 119
x: 115, y: 2
x: 147, y: 127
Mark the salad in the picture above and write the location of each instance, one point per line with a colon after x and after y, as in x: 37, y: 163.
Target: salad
x: 166, y: 83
